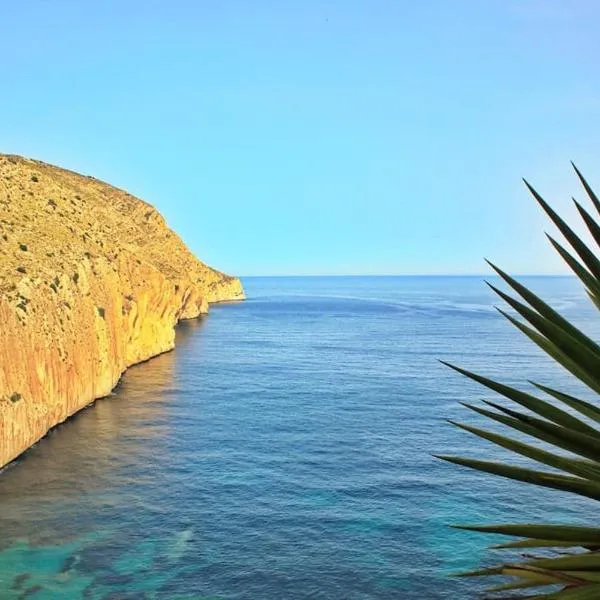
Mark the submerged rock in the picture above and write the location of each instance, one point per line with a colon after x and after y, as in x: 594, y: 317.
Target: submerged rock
x: 91, y: 281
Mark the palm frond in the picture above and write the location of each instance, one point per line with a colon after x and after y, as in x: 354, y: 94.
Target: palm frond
x: 567, y: 425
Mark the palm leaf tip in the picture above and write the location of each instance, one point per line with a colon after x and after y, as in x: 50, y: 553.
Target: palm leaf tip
x: 534, y: 531
x: 590, y: 192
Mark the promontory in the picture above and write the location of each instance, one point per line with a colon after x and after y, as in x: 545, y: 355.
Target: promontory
x: 91, y: 281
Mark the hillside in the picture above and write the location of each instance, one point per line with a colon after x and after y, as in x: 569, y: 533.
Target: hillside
x: 91, y: 281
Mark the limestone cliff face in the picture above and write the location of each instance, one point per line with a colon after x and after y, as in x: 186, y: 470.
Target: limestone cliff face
x: 91, y: 282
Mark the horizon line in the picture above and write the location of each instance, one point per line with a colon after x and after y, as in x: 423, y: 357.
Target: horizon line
x: 484, y: 275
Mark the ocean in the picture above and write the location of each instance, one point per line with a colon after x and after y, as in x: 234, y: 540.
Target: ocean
x: 284, y: 451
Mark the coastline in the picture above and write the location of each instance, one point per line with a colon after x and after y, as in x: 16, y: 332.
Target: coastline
x: 23, y: 453
x: 93, y: 281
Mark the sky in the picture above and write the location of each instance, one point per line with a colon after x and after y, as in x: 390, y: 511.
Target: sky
x: 318, y: 137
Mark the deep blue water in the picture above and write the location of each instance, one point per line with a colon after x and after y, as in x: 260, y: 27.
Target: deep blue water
x: 283, y: 451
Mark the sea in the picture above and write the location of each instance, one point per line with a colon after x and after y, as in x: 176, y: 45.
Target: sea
x: 285, y: 450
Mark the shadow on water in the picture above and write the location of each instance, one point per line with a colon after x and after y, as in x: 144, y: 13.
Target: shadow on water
x: 101, y: 446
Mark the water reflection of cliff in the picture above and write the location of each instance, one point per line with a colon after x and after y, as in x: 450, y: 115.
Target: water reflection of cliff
x: 115, y: 442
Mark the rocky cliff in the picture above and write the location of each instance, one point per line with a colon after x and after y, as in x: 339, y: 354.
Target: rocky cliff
x: 91, y: 281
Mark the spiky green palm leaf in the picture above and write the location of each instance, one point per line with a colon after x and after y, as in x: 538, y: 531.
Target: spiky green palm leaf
x: 568, y: 426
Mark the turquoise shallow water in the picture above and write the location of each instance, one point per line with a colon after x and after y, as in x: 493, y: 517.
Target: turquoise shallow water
x: 283, y: 450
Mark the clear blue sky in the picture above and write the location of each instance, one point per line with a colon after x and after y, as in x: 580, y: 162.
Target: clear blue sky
x: 311, y: 137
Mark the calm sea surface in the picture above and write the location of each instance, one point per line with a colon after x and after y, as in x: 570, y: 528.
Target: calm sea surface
x: 283, y: 451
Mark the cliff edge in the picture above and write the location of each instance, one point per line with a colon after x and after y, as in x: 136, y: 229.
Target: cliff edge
x: 91, y: 281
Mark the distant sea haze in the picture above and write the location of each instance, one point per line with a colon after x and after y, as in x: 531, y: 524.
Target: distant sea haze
x: 283, y: 451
